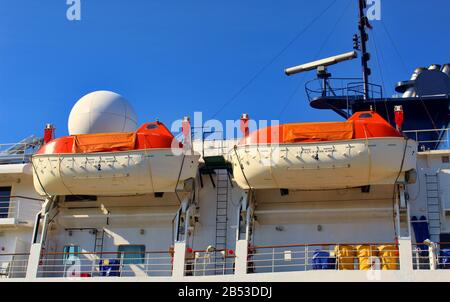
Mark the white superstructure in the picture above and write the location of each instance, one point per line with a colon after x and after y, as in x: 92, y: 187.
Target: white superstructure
x: 224, y: 233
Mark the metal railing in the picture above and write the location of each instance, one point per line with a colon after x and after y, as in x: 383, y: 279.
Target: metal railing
x: 431, y: 256
x: 203, y: 263
x: 7, y: 208
x: 213, y: 147
x: 22, y: 210
x: 430, y: 139
x: 420, y: 257
x: 105, y: 264
x: 19, y: 152
x: 213, y: 142
x: 13, y: 265
x: 305, y: 257
x: 208, y: 142
x: 340, y: 87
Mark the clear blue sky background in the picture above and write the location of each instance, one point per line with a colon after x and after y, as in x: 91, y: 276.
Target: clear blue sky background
x: 170, y: 58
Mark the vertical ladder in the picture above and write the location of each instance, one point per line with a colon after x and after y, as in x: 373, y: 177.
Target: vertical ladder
x: 221, y: 217
x: 99, y: 238
x: 433, y: 205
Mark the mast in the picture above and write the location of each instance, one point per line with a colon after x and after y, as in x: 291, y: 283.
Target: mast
x: 364, y: 37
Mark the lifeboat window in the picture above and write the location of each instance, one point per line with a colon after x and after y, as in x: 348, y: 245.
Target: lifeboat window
x: 365, y: 115
x: 152, y: 126
x: 131, y: 254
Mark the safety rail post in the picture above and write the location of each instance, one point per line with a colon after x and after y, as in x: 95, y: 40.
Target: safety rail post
x: 416, y: 253
x: 36, y: 245
x: 16, y: 209
x: 244, y: 215
x: 306, y: 256
x: 405, y: 253
x: 241, y: 257
x: 146, y: 264
x: 93, y: 265
x: 432, y: 254
x: 35, y: 251
x: 224, y: 263
x: 179, y: 259
x: 204, y: 265
x: 273, y: 260
x: 33, y: 261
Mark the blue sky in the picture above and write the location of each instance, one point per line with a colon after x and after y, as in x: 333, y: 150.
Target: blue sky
x: 170, y: 58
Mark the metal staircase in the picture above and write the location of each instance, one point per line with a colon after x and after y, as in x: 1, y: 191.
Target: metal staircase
x: 433, y: 205
x: 222, y: 179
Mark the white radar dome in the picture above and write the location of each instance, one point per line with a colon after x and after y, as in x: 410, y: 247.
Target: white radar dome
x: 102, y: 112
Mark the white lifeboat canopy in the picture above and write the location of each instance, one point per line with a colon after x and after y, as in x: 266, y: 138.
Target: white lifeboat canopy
x: 102, y: 112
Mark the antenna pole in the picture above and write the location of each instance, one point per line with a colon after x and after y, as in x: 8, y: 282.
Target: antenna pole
x: 365, y: 56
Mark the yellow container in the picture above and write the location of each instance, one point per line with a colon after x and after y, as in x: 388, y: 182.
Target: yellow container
x: 389, y: 257
x: 345, y: 255
x: 366, y: 255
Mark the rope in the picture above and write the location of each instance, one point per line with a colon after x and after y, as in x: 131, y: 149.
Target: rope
x: 406, y: 70
x: 291, y: 96
x: 333, y: 29
x: 315, y: 58
x: 39, y: 180
x: 368, y: 151
x: 281, y: 52
x: 381, y: 75
x: 62, y: 180
x: 242, y: 168
x: 429, y: 114
x: 395, y: 47
x: 178, y: 179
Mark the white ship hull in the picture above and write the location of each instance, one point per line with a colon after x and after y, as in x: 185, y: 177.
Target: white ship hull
x: 113, y: 173
x: 327, y: 165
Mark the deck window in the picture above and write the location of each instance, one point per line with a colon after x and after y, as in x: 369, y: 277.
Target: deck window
x: 132, y: 254
x: 5, y: 196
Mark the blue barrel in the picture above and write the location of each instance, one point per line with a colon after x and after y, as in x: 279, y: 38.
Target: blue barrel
x: 444, y: 260
x: 322, y: 260
x: 109, y: 268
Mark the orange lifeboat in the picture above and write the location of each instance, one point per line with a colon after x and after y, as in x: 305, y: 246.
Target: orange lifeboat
x: 364, y: 150
x: 146, y: 161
